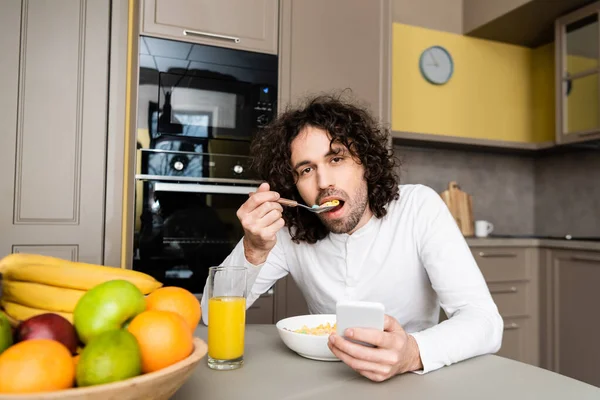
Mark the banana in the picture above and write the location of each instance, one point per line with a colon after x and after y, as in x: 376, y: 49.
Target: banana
x: 69, y: 274
x: 21, y: 313
x: 41, y: 296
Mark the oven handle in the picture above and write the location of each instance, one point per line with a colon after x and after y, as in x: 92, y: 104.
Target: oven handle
x: 201, y: 188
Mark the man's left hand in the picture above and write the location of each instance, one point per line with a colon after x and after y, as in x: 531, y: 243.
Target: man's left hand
x: 396, y: 352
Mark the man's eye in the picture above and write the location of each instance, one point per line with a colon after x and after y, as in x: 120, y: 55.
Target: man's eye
x: 337, y: 159
x: 305, y: 171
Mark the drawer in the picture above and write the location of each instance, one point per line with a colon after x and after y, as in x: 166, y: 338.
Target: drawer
x: 511, y: 298
x: 501, y: 264
x: 261, y: 311
x: 517, y: 341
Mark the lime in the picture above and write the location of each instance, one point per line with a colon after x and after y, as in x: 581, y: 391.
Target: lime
x: 6, y: 336
x: 110, y: 356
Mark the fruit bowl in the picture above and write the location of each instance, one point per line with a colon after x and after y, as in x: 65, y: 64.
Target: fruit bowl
x: 156, y: 385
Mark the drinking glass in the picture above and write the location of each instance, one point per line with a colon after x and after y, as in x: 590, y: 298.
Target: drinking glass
x: 226, y: 317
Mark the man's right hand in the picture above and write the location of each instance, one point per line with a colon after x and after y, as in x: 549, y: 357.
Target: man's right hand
x: 261, y: 219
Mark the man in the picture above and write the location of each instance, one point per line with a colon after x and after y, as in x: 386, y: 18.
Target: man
x: 385, y: 242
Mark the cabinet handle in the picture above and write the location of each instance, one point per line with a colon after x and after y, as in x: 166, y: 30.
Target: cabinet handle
x: 483, y: 254
x: 511, y: 326
x: 187, y: 32
x: 585, y: 258
x: 513, y: 289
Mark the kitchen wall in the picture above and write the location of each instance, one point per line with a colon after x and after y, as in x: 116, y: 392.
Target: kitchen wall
x: 502, y: 186
x: 500, y: 92
x: 491, y: 95
x: 567, y: 194
x: 547, y: 195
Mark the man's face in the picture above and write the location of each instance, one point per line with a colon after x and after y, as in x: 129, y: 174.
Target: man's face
x: 327, y: 172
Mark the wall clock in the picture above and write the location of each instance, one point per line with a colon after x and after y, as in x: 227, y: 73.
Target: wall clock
x: 436, y: 65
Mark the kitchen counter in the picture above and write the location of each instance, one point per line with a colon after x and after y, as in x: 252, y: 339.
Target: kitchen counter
x: 534, y: 242
x: 272, y: 371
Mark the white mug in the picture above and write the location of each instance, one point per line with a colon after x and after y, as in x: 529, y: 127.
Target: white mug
x: 483, y: 228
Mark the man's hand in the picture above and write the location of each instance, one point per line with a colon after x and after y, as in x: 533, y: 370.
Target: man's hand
x: 396, y: 352
x: 261, y: 219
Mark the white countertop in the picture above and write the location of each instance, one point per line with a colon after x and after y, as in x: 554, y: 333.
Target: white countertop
x: 272, y: 371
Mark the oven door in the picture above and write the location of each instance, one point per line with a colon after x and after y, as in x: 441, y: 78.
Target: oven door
x: 182, y: 229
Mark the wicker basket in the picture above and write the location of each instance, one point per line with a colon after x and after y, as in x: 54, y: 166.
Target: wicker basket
x: 156, y: 385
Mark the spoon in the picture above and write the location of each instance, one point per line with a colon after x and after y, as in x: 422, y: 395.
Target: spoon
x: 316, y: 209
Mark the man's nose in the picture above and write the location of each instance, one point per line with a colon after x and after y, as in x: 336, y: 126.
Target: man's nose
x: 325, y: 178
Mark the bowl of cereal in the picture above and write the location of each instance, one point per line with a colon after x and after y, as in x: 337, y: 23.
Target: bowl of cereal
x: 307, y: 335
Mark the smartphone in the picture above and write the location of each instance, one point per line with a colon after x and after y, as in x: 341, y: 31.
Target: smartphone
x: 359, y: 314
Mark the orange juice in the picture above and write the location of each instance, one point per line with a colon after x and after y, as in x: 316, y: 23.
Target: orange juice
x: 226, y: 325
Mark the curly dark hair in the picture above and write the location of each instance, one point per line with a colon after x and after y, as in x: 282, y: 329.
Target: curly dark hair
x: 347, y: 124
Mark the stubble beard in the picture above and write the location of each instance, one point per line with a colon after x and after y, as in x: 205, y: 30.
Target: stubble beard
x: 357, y: 206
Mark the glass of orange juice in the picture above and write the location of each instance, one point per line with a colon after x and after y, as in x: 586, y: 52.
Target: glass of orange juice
x: 226, y: 317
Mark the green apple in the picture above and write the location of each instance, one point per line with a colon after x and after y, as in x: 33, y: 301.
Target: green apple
x: 109, y: 357
x: 6, y: 334
x: 107, y: 306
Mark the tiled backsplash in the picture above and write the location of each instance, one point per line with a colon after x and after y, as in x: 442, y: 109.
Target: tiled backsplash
x: 502, y: 186
x: 547, y: 195
x: 567, y: 193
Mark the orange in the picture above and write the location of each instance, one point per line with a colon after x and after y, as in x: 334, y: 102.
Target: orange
x: 164, y: 338
x: 36, y: 365
x: 178, y: 300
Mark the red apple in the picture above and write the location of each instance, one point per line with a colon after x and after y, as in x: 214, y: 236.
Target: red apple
x: 48, y: 326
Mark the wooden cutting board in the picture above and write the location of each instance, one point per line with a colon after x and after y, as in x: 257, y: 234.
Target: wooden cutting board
x: 460, y: 205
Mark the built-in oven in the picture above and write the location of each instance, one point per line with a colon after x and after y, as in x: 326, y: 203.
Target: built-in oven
x: 199, y: 107
x: 187, y: 228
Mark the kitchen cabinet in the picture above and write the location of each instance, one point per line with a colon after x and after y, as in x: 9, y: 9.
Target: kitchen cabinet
x: 262, y: 311
x: 577, y: 70
x: 571, y: 284
x: 54, y: 85
x: 476, y: 13
x: 335, y: 45
x: 512, y: 275
x: 520, y: 22
x: 238, y: 24
x: 289, y: 299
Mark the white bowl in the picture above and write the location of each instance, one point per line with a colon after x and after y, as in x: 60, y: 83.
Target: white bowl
x: 309, y: 346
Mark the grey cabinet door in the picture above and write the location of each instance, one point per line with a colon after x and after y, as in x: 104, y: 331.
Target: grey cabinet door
x: 575, y: 277
x: 239, y: 24
x: 53, y: 80
x: 335, y: 45
x: 289, y: 300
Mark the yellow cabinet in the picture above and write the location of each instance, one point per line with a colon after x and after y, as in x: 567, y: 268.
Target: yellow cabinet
x: 578, y: 87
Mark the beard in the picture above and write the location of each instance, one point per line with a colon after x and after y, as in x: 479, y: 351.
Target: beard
x: 356, y: 209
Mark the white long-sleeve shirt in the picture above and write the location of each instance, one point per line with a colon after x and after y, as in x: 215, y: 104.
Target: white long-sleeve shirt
x: 413, y: 261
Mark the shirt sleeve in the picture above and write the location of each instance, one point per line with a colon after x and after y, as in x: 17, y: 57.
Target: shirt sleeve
x: 474, y: 326
x: 259, y: 279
